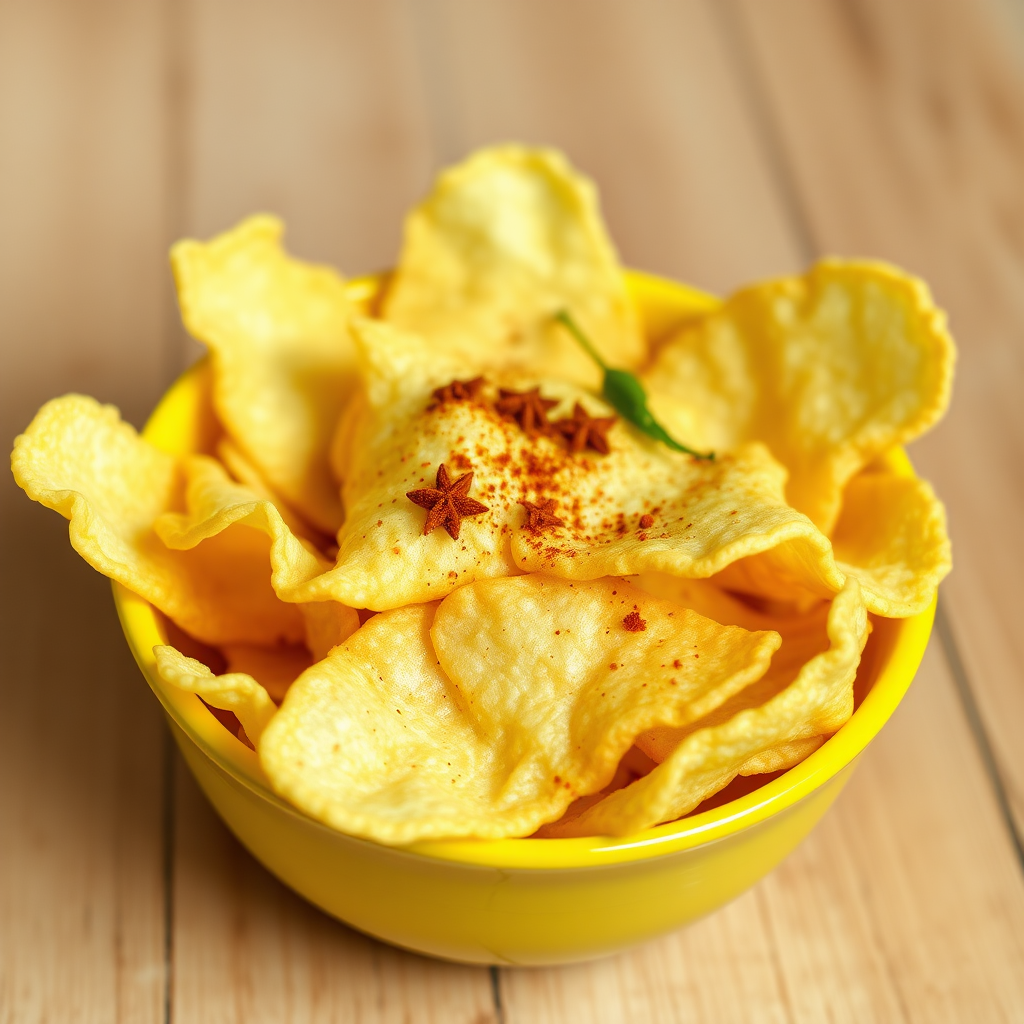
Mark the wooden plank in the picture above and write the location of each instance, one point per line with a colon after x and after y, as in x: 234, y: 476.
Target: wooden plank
x: 641, y: 97
x: 839, y: 932
x: 310, y: 112
x: 248, y: 949
x: 81, y: 270
x: 909, y: 146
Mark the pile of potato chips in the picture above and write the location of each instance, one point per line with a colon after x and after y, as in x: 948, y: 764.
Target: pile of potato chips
x: 444, y: 589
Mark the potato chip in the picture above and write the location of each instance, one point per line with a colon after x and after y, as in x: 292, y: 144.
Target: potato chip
x: 274, y: 668
x: 505, y: 240
x: 277, y: 329
x: 706, y: 514
x: 815, y: 704
x: 237, y: 463
x: 379, y: 741
x: 215, y: 503
x: 891, y: 535
x: 829, y: 369
x: 236, y: 692
x: 78, y: 458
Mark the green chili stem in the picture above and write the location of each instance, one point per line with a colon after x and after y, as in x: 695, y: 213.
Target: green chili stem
x: 624, y: 392
x: 563, y: 317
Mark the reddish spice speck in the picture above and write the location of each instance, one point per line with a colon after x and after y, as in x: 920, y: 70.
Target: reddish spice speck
x: 634, y: 623
x: 646, y: 521
x: 613, y: 666
x: 677, y: 663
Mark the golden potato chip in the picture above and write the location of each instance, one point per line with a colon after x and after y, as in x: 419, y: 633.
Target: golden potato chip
x: 379, y: 741
x: 705, y: 514
x: 235, y: 692
x: 816, y: 703
x: 504, y: 241
x: 891, y: 535
x: 277, y: 330
x: 215, y: 503
x: 829, y: 369
x: 595, y: 644
x: 237, y: 463
x: 274, y: 668
x: 78, y: 458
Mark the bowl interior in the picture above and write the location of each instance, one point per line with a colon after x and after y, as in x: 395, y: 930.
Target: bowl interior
x: 183, y: 422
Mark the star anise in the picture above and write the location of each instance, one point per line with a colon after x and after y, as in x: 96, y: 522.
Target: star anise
x: 459, y: 390
x: 447, y: 503
x: 582, y: 430
x: 542, y: 516
x: 527, y: 408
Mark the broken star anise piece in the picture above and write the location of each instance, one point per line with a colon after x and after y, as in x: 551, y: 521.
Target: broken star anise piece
x: 527, y: 408
x: 459, y: 390
x: 582, y: 430
x: 447, y: 503
x: 541, y: 516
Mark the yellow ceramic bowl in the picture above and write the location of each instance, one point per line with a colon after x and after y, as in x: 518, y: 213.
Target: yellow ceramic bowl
x: 518, y: 901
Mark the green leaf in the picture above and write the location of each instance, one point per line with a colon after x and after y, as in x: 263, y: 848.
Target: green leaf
x: 625, y: 394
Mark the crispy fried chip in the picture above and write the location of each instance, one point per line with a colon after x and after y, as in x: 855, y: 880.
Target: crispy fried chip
x: 708, y: 514
x: 236, y: 691
x: 78, y: 458
x: 504, y: 241
x: 283, y: 364
x: 379, y: 741
x: 215, y: 503
x: 816, y: 703
x: 829, y: 369
x: 891, y: 535
x: 274, y: 668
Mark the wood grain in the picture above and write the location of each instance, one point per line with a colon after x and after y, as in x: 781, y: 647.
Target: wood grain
x: 642, y: 98
x: 904, y: 129
x: 312, y: 113
x: 905, y: 904
x: 730, y: 141
x: 81, y: 279
x: 248, y: 949
x: 564, y: 73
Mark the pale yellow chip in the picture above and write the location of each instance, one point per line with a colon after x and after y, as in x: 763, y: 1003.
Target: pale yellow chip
x: 277, y: 329
x: 238, y: 464
x: 891, y: 535
x: 505, y: 240
x: 816, y: 703
x: 236, y: 692
x: 79, y: 458
x: 214, y: 503
x: 379, y: 741
x: 274, y: 668
x: 829, y: 369
x: 706, y: 514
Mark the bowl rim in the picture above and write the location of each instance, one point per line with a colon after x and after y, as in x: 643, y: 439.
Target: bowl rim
x: 900, y: 646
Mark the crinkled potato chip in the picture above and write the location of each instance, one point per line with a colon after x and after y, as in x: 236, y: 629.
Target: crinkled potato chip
x: 277, y: 329
x: 829, y: 369
x: 705, y: 514
x: 380, y: 741
x: 274, y: 668
x: 236, y: 692
x: 78, y: 458
x: 214, y: 503
x: 816, y: 703
x: 505, y: 240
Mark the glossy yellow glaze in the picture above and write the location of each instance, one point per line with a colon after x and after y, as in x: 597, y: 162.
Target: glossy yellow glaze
x: 518, y: 901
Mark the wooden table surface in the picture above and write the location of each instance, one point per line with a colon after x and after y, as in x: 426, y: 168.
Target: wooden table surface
x: 731, y: 139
